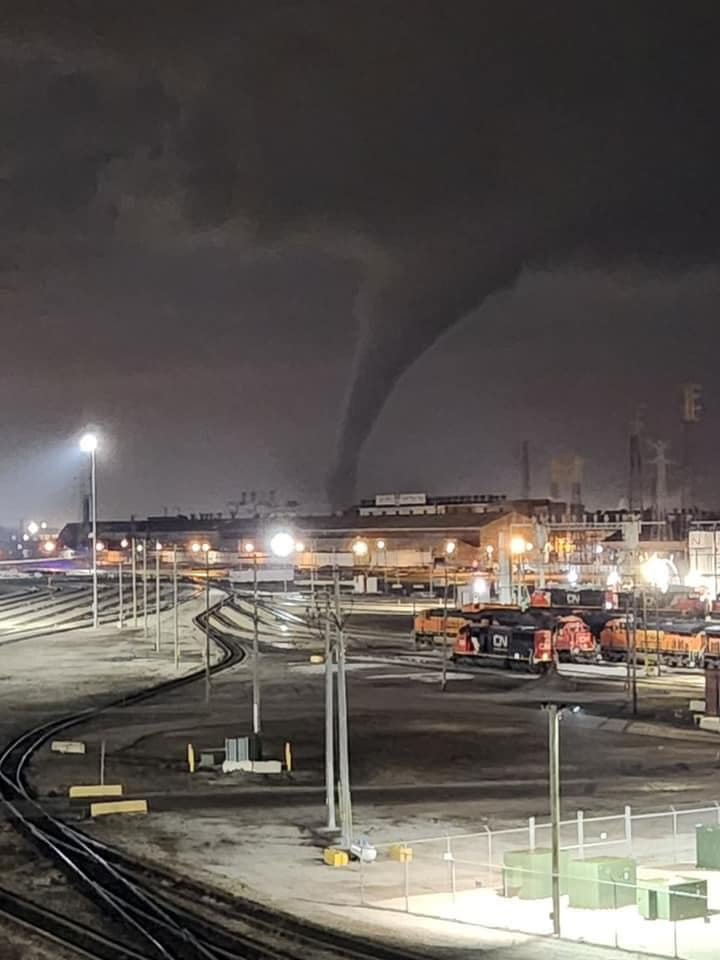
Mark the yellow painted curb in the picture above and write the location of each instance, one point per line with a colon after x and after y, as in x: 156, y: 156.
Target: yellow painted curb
x: 118, y: 806
x: 96, y: 790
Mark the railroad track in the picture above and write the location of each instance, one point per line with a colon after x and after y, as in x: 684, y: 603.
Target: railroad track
x: 156, y: 913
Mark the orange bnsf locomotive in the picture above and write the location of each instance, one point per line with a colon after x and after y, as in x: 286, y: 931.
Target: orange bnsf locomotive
x: 673, y: 643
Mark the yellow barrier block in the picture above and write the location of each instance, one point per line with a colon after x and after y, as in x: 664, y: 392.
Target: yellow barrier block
x: 96, y: 790
x: 288, y: 756
x: 317, y: 658
x: 118, y: 806
x: 334, y: 857
x: 191, y: 758
x: 398, y: 851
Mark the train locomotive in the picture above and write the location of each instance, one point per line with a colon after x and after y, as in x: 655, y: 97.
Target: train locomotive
x: 521, y: 645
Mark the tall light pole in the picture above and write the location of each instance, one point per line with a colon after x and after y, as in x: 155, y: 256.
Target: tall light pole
x: 381, y: 545
x: 450, y: 548
x: 158, y: 548
x: 176, y: 613
x: 121, y: 604
x: 205, y: 548
x: 89, y: 444
x: 553, y: 712
x: 133, y: 571
x: 145, y: 588
x: 329, y: 729
x: 346, y: 817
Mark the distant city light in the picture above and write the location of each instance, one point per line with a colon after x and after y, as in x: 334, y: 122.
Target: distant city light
x: 139, y: 548
x: 529, y: 546
x: 33, y: 528
x: 450, y: 547
x: 517, y: 545
x: 598, y: 548
x: 282, y: 544
x: 572, y: 577
x: 99, y: 546
x: 360, y: 548
x: 249, y: 547
x: 26, y: 537
x: 613, y: 578
x: 380, y: 544
x: 479, y: 585
x: 88, y: 442
x: 49, y: 546
x: 43, y: 525
x: 195, y: 547
x: 124, y: 543
x: 299, y: 546
x: 656, y: 571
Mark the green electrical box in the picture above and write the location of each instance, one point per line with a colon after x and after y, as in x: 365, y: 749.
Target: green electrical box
x: 527, y: 874
x: 707, y: 845
x: 676, y: 898
x: 602, y: 883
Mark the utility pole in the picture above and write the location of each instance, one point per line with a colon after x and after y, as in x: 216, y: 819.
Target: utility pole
x: 206, y: 548
x: 176, y: 612
x: 133, y: 568
x: 443, y: 675
x: 344, y: 751
x: 93, y: 488
x: 157, y: 596
x: 145, y: 591
x: 329, y: 729
x: 121, y: 620
x: 554, y: 760
x: 256, y: 654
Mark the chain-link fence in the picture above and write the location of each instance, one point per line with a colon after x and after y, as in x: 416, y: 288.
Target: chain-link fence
x: 643, y: 882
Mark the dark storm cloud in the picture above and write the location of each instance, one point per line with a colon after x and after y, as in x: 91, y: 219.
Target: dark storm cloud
x: 449, y: 147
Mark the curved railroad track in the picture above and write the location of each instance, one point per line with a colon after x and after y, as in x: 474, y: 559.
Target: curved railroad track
x: 155, y: 914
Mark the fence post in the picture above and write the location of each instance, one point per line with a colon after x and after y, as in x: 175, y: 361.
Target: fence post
x: 581, y: 834
x: 450, y: 859
x: 362, y: 878
x: 717, y: 807
x: 628, y: 828
x: 675, y: 833
x: 489, y: 838
x: 531, y: 833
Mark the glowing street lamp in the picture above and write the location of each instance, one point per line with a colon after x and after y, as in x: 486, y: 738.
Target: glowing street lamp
x: 89, y: 444
x: 450, y: 547
x: 99, y: 546
x: 49, y: 546
x: 656, y: 572
x: 360, y: 548
x: 517, y: 546
x: 282, y: 544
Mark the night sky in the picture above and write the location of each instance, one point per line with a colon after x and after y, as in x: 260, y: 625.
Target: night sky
x: 248, y: 239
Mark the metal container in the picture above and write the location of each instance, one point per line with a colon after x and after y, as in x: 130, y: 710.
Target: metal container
x: 672, y: 899
x: 602, y: 883
x: 527, y: 874
x: 707, y: 845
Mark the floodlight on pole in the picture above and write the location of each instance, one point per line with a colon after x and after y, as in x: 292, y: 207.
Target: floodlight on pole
x: 282, y: 544
x: 89, y: 445
x: 360, y: 548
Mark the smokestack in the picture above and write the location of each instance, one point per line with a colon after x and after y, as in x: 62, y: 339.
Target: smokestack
x: 525, y: 487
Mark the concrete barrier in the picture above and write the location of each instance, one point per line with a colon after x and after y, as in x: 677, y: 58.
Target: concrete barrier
x: 95, y: 790
x: 118, y: 806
